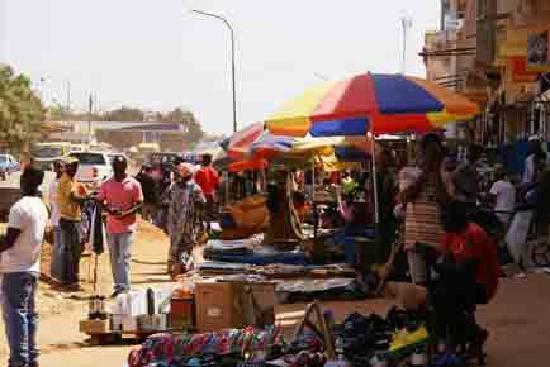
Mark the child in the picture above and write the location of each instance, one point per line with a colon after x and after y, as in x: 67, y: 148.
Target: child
x: 468, y: 244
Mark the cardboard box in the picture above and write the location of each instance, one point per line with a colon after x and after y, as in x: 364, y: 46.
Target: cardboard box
x: 152, y: 322
x: 221, y: 305
x: 92, y: 327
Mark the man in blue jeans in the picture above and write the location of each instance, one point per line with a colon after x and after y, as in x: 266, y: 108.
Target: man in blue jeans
x: 19, y: 268
x: 122, y: 197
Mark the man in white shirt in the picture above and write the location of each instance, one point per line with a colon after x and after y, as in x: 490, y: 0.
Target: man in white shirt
x: 57, y: 259
x: 504, y: 194
x: 19, y: 267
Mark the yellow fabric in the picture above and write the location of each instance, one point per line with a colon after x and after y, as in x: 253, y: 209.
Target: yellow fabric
x: 440, y: 119
x: 454, y: 103
x: 403, y: 338
x: 293, y: 118
x: 68, y: 208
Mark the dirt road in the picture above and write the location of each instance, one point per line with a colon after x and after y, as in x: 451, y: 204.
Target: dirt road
x: 517, y: 319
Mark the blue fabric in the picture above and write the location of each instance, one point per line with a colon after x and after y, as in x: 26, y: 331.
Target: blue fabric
x: 275, y: 142
x: 119, y: 250
x: 344, y: 127
x: 395, y: 94
x: 350, y: 154
x: 20, y: 318
x: 293, y: 258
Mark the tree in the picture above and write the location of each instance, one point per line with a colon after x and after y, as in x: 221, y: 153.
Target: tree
x: 185, y: 117
x: 124, y: 114
x: 21, y: 112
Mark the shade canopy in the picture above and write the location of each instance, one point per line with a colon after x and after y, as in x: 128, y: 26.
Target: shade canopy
x: 381, y: 103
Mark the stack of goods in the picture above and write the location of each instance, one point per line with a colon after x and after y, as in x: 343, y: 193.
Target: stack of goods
x: 141, y: 310
x: 247, y: 252
x: 370, y: 340
x: 228, y: 347
x: 295, y: 291
x: 277, y: 270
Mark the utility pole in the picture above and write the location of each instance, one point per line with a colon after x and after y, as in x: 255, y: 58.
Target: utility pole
x: 68, y: 88
x: 90, y: 106
x: 406, y: 24
x: 233, y: 82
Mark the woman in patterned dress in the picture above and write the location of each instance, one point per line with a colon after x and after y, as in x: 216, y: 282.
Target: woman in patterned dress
x: 182, y: 198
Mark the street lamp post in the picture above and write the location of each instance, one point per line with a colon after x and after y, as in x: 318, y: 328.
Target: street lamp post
x: 233, y: 88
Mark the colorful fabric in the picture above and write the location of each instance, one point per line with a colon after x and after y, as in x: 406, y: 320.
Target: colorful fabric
x: 182, y: 198
x: 381, y: 103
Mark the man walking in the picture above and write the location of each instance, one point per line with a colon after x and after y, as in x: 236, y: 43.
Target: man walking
x: 122, y: 197
x: 69, y: 197
x: 150, y: 193
x: 208, y: 180
x: 19, y: 267
x: 54, y: 219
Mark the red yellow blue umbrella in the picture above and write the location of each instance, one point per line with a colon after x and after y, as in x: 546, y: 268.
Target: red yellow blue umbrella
x: 380, y: 103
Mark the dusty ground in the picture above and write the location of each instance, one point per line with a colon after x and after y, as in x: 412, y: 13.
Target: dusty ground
x: 517, y: 319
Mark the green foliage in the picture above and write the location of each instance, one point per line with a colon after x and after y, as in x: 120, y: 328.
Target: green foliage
x: 194, y: 129
x: 124, y: 114
x: 21, y: 111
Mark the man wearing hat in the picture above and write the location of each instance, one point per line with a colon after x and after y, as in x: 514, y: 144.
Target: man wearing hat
x: 122, y: 197
x: 69, y: 198
x: 181, y: 199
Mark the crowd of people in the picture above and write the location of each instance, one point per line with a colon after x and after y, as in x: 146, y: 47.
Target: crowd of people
x: 119, y: 198
x: 436, y: 199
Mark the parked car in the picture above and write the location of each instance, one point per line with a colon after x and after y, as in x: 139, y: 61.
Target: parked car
x: 44, y: 154
x: 93, y: 168
x: 8, y: 165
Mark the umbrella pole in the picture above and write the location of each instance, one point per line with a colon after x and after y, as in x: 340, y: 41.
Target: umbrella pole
x: 315, y: 214
x: 375, y: 184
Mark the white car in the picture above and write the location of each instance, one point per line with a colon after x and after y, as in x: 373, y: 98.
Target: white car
x: 93, y: 168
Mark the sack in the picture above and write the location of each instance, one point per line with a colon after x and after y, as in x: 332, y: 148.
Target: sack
x: 517, y: 234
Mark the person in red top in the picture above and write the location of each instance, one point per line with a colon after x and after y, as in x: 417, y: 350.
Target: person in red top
x: 208, y: 180
x: 468, y: 243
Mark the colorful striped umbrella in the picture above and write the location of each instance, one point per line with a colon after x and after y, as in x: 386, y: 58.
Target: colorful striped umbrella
x: 268, y: 145
x: 238, y: 144
x: 381, y: 103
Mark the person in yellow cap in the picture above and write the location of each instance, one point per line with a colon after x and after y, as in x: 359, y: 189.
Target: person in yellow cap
x: 181, y: 198
x: 69, y: 198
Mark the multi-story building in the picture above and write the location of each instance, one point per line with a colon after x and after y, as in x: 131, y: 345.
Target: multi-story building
x: 497, y: 52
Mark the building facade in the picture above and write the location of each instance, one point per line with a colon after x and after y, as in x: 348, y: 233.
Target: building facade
x: 497, y: 53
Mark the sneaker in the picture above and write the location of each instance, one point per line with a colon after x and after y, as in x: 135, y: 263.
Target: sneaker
x: 520, y: 275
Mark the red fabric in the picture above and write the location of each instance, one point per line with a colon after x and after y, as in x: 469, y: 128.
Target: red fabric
x: 250, y: 165
x: 353, y: 97
x: 474, y: 243
x: 208, y: 180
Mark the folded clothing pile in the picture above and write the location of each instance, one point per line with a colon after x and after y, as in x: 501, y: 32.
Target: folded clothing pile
x: 207, y: 349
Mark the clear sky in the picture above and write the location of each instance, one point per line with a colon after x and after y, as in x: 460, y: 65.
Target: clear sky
x: 153, y: 54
